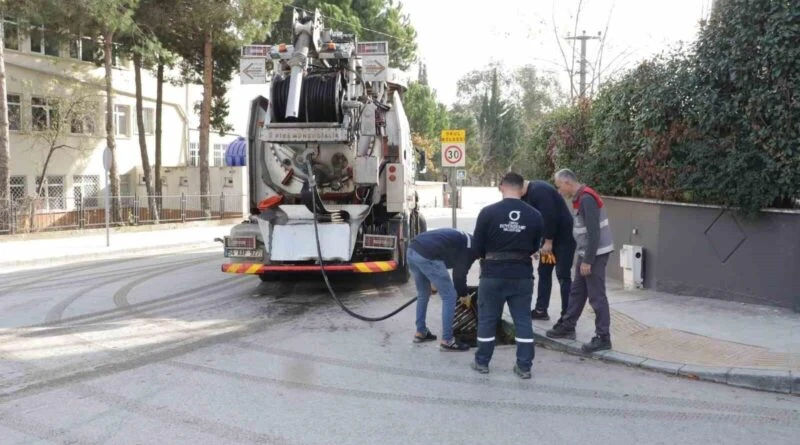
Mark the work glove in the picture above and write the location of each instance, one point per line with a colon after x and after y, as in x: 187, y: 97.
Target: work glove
x: 548, y: 258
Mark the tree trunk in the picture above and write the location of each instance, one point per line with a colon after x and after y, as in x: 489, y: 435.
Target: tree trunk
x: 159, y: 104
x: 40, y: 186
x: 5, y: 196
x: 205, y: 123
x: 148, y: 183
x: 108, y: 47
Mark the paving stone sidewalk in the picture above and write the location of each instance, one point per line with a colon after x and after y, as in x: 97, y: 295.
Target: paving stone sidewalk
x: 738, y: 344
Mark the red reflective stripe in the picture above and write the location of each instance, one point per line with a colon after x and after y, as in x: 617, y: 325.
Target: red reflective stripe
x: 306, y: 268
x: 372, y: 266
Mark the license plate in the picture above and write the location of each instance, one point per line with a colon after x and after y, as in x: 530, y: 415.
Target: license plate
x: 244, y: 253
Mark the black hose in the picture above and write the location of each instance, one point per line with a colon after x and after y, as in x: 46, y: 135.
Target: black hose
x: 313, y: 187
x: 320, y: 98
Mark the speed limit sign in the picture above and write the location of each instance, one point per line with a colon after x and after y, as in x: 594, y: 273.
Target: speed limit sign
x: 453, y: 154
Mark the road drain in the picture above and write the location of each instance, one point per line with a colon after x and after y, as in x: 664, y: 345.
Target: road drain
x: 465, y: 323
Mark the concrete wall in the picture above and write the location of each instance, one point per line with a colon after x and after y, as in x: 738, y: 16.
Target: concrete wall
x: 711, y: 252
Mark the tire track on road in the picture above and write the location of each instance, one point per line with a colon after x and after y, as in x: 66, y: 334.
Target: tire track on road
x: 660, y: 415
x: 132, y: 359
x: 56, y: 312
x: 36, y: 284
x: 538, y: 387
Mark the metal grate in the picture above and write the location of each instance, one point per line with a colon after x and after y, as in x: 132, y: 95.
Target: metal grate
x: 52, y: 192
x: 18, y: 187
x: 86, y: 190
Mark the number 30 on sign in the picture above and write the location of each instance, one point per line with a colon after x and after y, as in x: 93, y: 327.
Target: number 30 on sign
x: 453, y: 144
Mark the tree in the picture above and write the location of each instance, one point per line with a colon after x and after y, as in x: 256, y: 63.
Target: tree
x: 5, y: 152
x: 427, y: 117
x: 207, y: 35
x: 141, y: 43
x: 369, y: 20
x: 63, y: 121
x: 151, y: 196
x: 505, y: 106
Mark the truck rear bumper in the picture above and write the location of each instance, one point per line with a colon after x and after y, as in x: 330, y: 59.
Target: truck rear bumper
x: 257, y: 269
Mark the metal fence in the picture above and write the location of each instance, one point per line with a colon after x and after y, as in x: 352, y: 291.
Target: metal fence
x: 31, y: 215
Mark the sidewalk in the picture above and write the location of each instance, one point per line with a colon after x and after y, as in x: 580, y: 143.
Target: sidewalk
x: 738, y: 344
x: 28, y: 254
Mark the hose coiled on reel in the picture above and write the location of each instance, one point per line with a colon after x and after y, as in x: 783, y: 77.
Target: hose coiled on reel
x: 320, y: 98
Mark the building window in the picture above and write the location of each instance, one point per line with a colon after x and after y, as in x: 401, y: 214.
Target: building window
x: 14, y: 111
x: 194, y: 154
x: 10, y: 33
x: 44, y: 42
x: 44, y: 113
x: 18, y: 187
x: 86, y: 188
x: 122, y: 118
x: 84, y: 49
x: 82, y: 124
x: 149, y: 117
x: 52, y: 193
x: 219, y: 155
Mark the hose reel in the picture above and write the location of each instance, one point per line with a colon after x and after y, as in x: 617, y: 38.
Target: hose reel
x: 320, y: 98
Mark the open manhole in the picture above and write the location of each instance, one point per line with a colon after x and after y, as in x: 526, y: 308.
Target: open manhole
x: 465, y: 323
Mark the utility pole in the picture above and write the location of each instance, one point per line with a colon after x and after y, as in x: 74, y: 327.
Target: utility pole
x: 583, y: 38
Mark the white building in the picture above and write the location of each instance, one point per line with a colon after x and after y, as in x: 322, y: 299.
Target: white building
x: 46, y: 80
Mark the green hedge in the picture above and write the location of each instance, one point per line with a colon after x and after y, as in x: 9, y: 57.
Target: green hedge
x: 717, y: 123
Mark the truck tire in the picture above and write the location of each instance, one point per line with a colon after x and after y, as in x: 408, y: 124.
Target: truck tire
x: 422, y: 224
x: 402, y: 274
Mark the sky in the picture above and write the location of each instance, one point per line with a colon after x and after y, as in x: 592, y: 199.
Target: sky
x: 457, y: 36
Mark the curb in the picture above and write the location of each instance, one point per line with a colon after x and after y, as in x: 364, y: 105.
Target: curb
x: 772, y: 380
x: 19, y: 266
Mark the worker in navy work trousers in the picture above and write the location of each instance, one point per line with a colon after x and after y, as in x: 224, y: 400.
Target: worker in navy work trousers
x: 430, y: 255
x: 558, y: 240
x: 507, y: 234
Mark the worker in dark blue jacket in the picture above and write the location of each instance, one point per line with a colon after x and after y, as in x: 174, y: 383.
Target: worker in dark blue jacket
x: 507, y: 234
x: 430, y: 255
x: 558, y: 240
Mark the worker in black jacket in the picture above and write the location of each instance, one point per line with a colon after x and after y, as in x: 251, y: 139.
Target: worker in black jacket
x: 558, y: 240
x: 430, y: 255
x: 507, y: 234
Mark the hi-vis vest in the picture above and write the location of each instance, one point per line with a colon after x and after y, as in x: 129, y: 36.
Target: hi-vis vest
x: 606, y: 244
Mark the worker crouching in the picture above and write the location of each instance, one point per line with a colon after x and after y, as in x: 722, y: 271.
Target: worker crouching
x: 430, y: 255
x: 507, y: 234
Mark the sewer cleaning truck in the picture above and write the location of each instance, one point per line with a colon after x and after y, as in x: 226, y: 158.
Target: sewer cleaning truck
x: 330, y: 161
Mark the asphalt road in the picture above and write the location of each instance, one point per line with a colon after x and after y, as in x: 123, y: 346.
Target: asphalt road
x: 169, y: 350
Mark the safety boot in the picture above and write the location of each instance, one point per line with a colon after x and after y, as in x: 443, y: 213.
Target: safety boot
x: 483, y: 369
x: 561, y: 331
x: 598, y: 343
x: 520, y: 373
x: 538, y: 314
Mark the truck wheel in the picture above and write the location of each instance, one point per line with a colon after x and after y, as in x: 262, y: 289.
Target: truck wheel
x: 403, y: 273
x: 423, y: 225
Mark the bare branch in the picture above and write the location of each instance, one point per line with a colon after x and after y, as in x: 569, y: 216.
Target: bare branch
x: 599, y: 59
x: 563, y: 54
